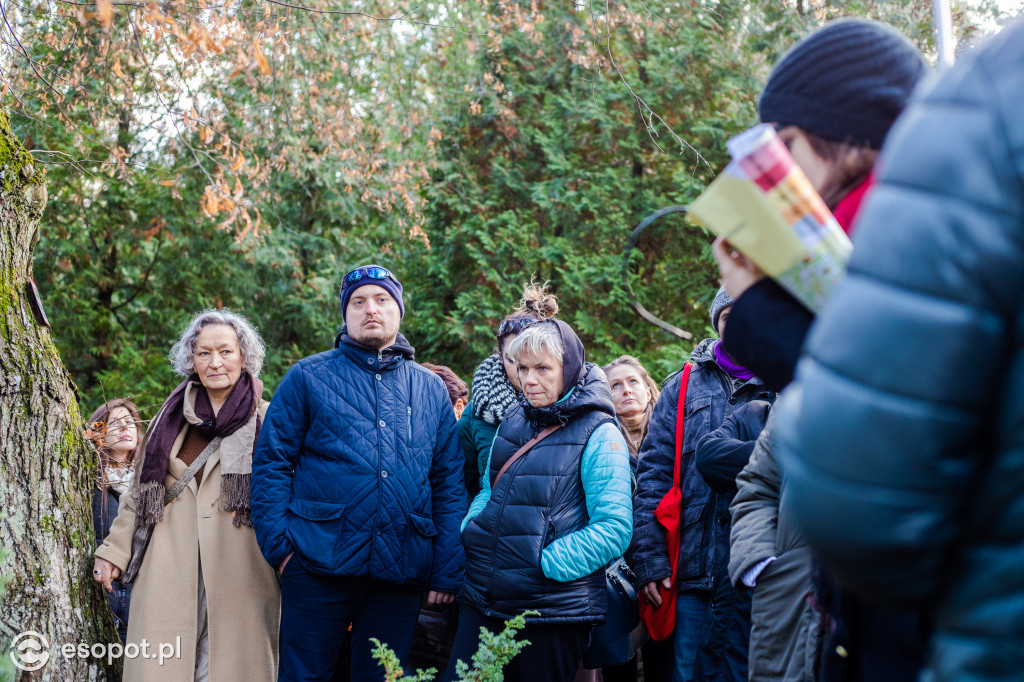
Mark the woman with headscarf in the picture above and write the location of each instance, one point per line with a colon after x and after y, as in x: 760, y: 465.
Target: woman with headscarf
x: 555, y: 508
x: 184, y: 535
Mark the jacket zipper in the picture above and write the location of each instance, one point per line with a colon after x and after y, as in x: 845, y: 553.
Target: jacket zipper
x: 379, y: 438
x: 549, y: 533
x: 408, y: 414
x: 497, y: 521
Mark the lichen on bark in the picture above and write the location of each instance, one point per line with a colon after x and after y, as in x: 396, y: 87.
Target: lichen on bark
x: 47, y: 471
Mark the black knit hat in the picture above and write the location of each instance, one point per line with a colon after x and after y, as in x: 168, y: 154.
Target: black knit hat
x: 847, y: 81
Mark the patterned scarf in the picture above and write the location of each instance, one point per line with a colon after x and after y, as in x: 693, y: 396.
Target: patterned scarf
x: 493, y: 394
x: 237, y: 423
x: 119, y: 478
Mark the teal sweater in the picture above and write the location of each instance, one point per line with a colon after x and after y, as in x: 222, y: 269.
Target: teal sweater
x: 476, y: 436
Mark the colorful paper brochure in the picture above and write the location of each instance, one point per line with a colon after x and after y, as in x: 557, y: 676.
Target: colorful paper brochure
x: 765, y: 206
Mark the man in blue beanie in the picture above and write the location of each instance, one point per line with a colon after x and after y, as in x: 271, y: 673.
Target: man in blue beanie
x: 357, y: 490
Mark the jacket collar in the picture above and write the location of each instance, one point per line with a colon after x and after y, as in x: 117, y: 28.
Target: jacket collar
x: 371, y: 359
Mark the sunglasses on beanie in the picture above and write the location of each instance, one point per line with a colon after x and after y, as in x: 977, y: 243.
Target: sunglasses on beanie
x: 372, y: 273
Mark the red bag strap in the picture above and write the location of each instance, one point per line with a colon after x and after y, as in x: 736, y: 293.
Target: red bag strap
x: 680, y: 419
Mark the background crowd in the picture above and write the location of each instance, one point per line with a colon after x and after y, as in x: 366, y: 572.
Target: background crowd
x: 860, y: 528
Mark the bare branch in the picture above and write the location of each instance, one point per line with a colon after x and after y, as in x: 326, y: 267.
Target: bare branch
x: 647, y: 114
x: 402, y: 17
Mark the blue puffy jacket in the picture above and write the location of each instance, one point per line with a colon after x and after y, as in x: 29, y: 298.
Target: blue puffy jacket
x: 358, y: 469
x: 902, y: 439
x: 540, y: 539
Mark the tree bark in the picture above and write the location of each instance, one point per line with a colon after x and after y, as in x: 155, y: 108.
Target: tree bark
x: 47, y: 472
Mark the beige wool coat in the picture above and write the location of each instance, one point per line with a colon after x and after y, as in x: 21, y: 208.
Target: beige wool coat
x: 243, y: 597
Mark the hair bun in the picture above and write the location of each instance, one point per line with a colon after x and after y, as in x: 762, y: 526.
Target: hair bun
x: 538, y: 300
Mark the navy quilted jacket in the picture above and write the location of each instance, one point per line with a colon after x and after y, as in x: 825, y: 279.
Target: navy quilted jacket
x: 902, y: 439
x: 712, y: 396
x: 358, y: 469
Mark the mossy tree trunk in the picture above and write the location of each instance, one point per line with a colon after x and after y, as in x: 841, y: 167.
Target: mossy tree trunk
x: 46, y: 469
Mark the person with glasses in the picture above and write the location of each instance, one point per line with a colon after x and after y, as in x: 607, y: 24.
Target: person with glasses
x: 496, y: 383
x: 113, y: 430
x: 357, y: 491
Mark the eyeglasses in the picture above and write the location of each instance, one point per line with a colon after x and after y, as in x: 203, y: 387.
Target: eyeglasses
x: 515, y: 326
x: 372, y: 273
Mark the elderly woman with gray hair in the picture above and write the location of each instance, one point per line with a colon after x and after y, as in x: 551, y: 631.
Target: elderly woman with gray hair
x: 554, y: 509
x: 203, y: 594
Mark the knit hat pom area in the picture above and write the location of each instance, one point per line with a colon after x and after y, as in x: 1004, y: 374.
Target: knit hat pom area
x: 389, y: 284
x: 848, y: 81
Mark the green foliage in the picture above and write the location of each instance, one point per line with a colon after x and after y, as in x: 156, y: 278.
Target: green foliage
x: 393, y: 667
x: 494, y: 652
x: 489, y: 661
x: 489, y: 143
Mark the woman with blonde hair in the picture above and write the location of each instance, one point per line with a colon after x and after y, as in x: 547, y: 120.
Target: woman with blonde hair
x: 496, y: 383
x: 554, y: 509
x: 634, y: 393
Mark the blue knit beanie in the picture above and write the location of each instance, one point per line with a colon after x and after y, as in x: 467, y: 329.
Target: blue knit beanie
x: 389, y: 284
x: 721, y: 302
x: 847, y: 81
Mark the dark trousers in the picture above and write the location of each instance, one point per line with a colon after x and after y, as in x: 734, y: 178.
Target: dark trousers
x: 120, y: 601
x: 553, y: 654
x: 724, y: 651
x: 316, y: 611
x: 656, y: 659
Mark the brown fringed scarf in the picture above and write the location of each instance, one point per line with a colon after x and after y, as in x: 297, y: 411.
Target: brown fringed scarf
x: 237, y: 423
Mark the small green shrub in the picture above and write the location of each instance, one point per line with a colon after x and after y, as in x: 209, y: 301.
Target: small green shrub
x: 490, y: 659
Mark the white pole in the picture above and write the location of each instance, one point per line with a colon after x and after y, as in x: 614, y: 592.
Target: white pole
x: 943, y: 18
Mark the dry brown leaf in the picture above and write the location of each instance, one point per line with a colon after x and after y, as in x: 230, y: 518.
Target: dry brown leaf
x: 104, y: 12
x: 261, y: 61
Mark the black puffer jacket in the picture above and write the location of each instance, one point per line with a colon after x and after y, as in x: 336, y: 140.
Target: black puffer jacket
x: 712, y: 395
x: 541, y: 500
x: 902, y: 439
